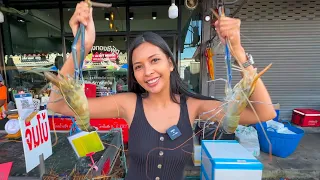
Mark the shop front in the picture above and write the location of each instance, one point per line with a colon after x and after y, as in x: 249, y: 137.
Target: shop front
x: 36, y: 38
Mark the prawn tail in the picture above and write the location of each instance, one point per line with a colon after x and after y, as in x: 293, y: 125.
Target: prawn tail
x: 258, y: 76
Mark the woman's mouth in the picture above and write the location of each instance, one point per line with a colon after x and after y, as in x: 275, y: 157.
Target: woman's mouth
x: 153, y: 82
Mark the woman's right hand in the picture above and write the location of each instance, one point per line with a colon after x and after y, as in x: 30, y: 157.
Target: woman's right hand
x: 83, y: 14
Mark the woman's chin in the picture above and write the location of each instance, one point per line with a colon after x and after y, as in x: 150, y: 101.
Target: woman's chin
x: 154, y: 90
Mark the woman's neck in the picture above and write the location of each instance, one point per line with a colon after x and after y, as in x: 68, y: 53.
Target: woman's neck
x: 161, y: 99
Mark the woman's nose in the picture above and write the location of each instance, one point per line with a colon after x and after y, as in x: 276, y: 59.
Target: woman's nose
x: 149, y: 70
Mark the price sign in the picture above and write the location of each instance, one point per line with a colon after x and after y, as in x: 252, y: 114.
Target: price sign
x: 36, y: 139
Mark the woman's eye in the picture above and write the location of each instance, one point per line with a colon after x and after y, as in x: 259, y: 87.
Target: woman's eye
x: 155, y: 59
x: 137, y: 67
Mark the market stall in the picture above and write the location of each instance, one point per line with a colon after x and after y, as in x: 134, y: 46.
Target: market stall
x: 104, y: 74
x: 64, y: 163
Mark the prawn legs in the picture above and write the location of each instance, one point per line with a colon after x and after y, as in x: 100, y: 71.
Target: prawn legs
x: 74, y: 95
x: 237, y: 97
x: 72, y: 89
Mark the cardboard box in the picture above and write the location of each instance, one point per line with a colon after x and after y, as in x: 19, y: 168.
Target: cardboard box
x: 228, y: 160
x: 277, y: 109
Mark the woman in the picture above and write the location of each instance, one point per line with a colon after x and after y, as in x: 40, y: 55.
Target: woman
x: 157, y: 100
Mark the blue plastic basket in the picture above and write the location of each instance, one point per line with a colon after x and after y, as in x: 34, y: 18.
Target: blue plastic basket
x: 283, y: 145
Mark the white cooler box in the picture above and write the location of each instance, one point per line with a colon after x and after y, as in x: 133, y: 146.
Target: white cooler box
x: 228, y: 160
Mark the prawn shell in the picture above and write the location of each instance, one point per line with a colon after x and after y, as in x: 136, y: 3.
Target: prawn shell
x: 73, y: 93
x: 230, y: 124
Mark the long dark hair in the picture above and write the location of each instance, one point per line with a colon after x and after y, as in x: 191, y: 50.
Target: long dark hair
x: 177, y: 86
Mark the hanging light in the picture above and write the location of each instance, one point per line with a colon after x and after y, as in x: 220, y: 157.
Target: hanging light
x: 21, y: 19
x: 1, y: 17
x: 107, y: 16
x: 154, y: 15
x: 207, y: 18
x: 131, y: 15
x: 173, y: 10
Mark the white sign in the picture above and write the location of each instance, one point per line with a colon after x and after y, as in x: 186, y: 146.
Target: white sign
x: 24, y: 104
x: 36, y: 139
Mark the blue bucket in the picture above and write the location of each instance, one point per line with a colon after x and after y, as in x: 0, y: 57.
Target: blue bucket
x: 283, y: 145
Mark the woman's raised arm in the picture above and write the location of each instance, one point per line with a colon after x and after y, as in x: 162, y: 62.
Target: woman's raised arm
x: 103, y: 107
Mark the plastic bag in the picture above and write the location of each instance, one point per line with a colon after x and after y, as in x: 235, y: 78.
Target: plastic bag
x: 248, y: 138
x: 274, y: 124
x: 278, y: 127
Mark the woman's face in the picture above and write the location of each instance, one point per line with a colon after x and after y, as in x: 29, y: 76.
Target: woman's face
x: 151, y: 67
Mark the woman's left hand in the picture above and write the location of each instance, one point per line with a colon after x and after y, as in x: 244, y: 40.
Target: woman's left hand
x: 227, y: 27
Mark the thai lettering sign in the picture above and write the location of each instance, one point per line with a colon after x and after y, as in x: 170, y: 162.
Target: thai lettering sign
x: 35, y: 131
x: 104, y: 56
x: 36, y: 139
x: 104, y: 53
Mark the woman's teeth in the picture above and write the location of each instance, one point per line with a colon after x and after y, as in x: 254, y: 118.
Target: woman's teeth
x: 153, y: 81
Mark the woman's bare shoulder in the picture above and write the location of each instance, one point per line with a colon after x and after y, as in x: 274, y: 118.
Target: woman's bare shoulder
x: 199, y: 105
x: 126, y: 98
x: 118, y: 105
x: 200, y: 101
x: 128, y: 103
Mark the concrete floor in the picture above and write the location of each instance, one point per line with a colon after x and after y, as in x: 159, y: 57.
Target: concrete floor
x: 303, y: 164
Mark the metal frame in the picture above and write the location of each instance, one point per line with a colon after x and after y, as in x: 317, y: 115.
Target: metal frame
x: 175, y: 34
x: 49, y: 4
x: 112, y: 153
x: 61, y: 4
x: 2, y: 61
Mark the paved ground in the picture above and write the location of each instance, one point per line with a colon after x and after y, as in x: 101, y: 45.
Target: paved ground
x: 62, y: 161
x: 303, y: 164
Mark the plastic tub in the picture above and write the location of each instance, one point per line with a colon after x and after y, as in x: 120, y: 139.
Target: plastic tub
x: 283, y: 145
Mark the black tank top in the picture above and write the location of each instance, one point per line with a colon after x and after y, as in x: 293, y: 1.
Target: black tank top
x: 161, y: 164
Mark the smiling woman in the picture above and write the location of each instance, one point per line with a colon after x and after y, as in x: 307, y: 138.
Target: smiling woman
x: 159, y: 108
x: 152, y: 68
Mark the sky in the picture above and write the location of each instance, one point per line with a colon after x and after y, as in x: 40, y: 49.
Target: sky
x: 189, y: 51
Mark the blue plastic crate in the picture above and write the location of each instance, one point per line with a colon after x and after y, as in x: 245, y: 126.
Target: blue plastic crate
x: 283, y: 145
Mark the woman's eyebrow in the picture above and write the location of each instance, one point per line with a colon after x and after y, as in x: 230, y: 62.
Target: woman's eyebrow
x: 138, y: 62
x: 152, y: 55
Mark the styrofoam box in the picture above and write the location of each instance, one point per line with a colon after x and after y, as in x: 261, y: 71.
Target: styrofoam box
x: 228, y: 160
x: 196, y: 151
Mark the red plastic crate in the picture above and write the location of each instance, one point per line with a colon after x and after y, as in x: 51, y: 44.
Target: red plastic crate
x: 107, y: 124
x: 90, y: 90
x: 306, y: 117
x: 63, y: 123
